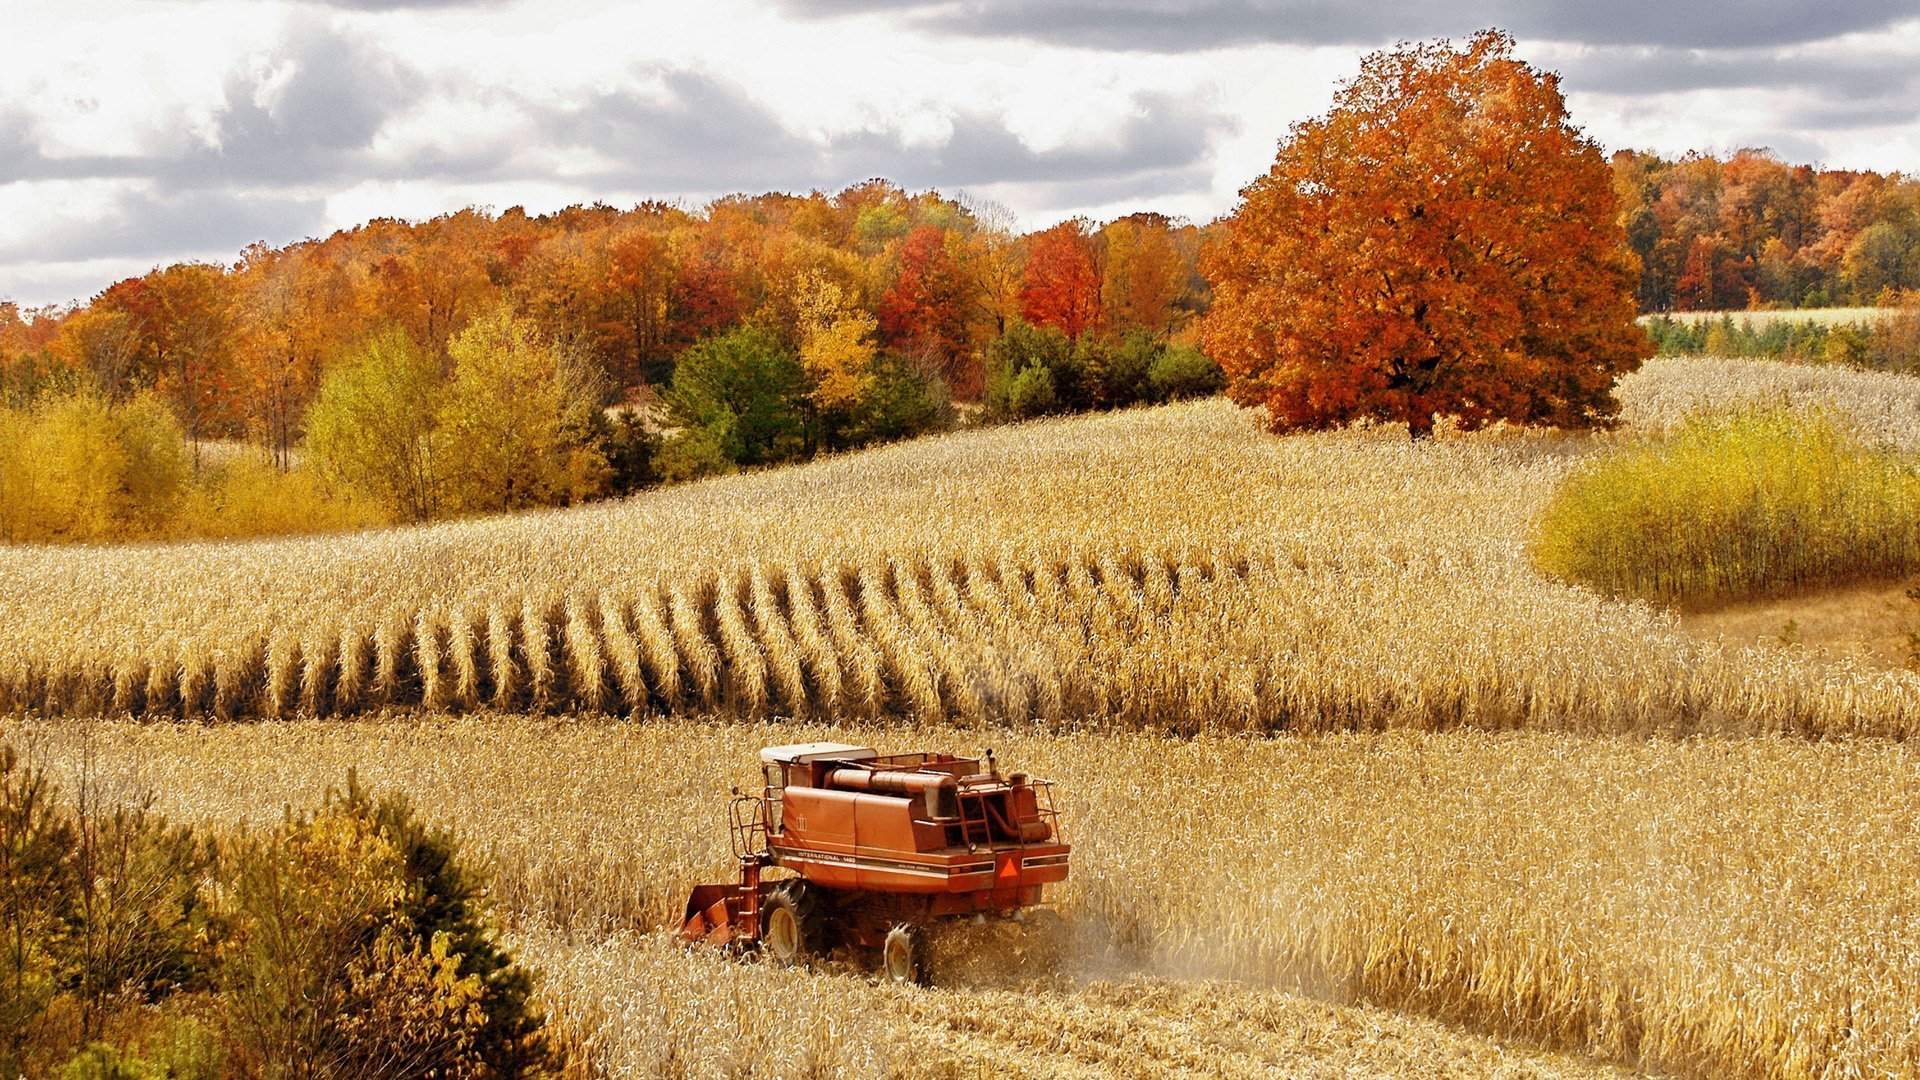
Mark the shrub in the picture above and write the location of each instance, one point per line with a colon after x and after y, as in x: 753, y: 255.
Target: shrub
x: 39, y: 896
x: 1734, y: 506
x: 249, y: 496
x: 361, y: 941
x: 904, y: 401
x: 79, y: 468
x: 1031, y: 393
x: 1184, y: 372
x: 1024, y: 347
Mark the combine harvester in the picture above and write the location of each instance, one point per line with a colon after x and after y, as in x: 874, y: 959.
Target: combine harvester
x: 881, y: 847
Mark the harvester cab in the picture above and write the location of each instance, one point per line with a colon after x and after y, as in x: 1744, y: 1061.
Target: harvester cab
x: 874, y: 849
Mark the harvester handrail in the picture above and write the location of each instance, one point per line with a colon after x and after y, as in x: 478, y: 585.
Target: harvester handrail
x: 749, y: 820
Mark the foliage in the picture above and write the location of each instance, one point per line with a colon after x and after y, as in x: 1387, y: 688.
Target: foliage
x: 631, y: 451
x: 738, y: 397
x: 361, y: 949
x: 1061, y: 288
x: 904, y: 402
x: 351, y: 942
x: 1051, y: 356
x: 247, y: 496
x: 501, y: 434
x: 79, y: 468
x: 37, y: 903
x: 372, y: 425
x: 1441, y: 243
x: 1183, y: 372
x: 1732, y: 506
x: 1881, y: 339
x: 836, y: 352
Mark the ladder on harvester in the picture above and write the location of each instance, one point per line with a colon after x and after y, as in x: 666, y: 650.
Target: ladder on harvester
x: 975, y: 829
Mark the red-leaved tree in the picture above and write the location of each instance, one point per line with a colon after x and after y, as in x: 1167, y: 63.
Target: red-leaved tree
x: 1442, y: 243
x: 1062, y: 284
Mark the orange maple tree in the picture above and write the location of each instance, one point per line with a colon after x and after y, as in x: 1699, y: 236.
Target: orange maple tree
x: 1442, y: 243
x: 1062, y: 284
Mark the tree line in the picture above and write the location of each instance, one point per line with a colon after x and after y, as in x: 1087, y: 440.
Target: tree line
x: 480, y: 361
x: 1750, y: 231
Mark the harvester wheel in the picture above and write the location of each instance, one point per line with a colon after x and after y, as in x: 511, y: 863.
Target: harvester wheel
x: 794, y: 921
x: 903, y: 958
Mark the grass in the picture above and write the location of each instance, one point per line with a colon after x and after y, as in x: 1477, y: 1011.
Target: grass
x: 1734, y: 506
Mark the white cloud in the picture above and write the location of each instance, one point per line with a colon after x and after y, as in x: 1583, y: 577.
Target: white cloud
x: 224, y: 121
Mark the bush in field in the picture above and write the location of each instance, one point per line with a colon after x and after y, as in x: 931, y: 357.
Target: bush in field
x: 79, y: 468
x: 1733, y: 506
x: 352, y: 942
x: 904, y: 400
x: 38, y: 898
x: 1031, y: 357
x: 361, y: 943
x: 249, y: 496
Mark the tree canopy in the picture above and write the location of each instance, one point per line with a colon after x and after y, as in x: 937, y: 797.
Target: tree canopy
x: 1443, y: 242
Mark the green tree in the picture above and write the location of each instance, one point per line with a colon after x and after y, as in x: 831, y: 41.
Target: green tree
x: 1025, y: 346
x: 742, y: 395
x: 371, y: 426
x: 38, y: 895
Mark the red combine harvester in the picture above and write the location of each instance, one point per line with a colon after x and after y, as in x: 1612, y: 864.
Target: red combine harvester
x: 881, y: 847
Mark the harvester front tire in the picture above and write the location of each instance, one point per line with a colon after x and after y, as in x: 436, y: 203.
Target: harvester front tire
x: 903, y: 957
x: 794, y: 921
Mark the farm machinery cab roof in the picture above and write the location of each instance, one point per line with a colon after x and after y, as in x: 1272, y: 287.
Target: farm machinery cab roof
x: 879, y: 847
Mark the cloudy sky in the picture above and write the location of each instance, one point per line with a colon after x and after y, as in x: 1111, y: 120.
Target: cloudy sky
x: 139, y: 132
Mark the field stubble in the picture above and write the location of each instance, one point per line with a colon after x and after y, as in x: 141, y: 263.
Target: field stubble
x: 1174, y: 569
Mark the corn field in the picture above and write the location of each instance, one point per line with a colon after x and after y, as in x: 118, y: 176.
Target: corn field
x: 1174, y: 569
x: 1703, y: 907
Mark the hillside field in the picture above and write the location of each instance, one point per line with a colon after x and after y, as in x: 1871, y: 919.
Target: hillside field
x: 1353, y: 789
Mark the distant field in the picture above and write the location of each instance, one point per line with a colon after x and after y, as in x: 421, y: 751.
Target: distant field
x: 1825, y: 316
x: 1173, y: 568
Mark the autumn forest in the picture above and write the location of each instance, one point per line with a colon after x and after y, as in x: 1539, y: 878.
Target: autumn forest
x: 813, y: 323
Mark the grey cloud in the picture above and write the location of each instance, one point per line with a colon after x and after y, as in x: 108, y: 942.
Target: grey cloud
x: 319, y: 125
x: 159, y: 226
x: 703, y: 135
x: 405, y: 5
x: 321, y: 122
x: 706, y: 136
x: 1173, y: 26
x: 1643, y: 71
x: 1165, y: 147
x: 1841, y: 115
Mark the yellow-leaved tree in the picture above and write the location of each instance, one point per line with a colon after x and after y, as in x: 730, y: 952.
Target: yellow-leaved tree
x: 836, y: 346
x: 503, y: 440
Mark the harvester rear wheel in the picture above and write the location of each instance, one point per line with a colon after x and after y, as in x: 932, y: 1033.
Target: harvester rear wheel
x: 903, y: 957
x: 794, y: 922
